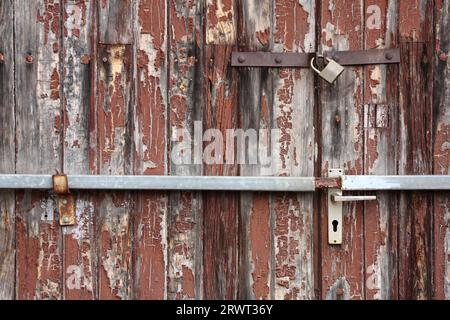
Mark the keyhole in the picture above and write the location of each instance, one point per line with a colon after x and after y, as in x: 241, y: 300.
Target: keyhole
x: 335, y: 225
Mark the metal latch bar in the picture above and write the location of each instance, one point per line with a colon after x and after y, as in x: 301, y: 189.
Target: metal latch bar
x: 302, y: 60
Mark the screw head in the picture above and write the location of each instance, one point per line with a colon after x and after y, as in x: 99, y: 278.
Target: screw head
x: 105, y: 59
x: 66, y: 219
x: 241, y: 59
x: 389, y: 56
x: 64, y: 201
x: 278, y: 60
x: 29, y: 59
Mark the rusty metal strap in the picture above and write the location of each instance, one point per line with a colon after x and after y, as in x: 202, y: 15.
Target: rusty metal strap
x: 66, y: 202
x: 302, y: 60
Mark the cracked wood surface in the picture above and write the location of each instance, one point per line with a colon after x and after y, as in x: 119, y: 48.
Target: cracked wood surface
x: 107, y: 86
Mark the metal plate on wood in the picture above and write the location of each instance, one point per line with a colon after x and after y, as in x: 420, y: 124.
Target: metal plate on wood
x: 302, y: 60
x: 334, y: 211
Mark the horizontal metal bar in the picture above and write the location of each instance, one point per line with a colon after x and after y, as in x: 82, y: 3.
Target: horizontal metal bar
x: 302, y: 60
x: 374, y: 183
x: 217, y: 183
x: 221, y: 183
x: 339, y: 198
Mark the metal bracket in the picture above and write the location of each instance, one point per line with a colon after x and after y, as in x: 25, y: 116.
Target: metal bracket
x: 302, y: 60
x: 66, y: 202
x: 335, y: 199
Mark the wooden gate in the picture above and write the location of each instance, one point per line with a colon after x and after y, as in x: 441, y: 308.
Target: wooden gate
x: 104, y: 87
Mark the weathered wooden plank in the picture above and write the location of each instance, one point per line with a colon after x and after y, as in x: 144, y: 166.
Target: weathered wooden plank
x: 113, y: 225
x: 293, y: 151
x: 79, y: 254
x: 380, y: 134
x: 415, y: 148
x: 220, y: 219
x: 150, y: 150
x: 7, y: 151
x: 37, y: 28
x: 441, y: 152
x: 255, y: 93
x: 115, y: 21
x: 185, y: 224
x: 341, y: 146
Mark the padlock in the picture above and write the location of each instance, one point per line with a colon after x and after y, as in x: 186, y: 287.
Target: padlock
x: 331, y: 71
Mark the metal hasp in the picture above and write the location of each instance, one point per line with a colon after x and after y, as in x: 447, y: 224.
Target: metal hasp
x: 302, y: 60
x: 66, y: 202
x: 335, y: 200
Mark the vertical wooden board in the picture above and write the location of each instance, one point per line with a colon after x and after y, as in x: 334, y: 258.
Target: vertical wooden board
x: 113, y: 225
x: 7, y: 151
x: 185, y: 220
x: 415, y: 148
x: 293, y: 151
x: 255, y: 91
x: 37, y: 32
x: 115, y: 21
x: 341, y: 146
x: 220, y: 219
x: 150, y: 150
x: 441, y: 153
x: 79, y: 249
x: 380, y: 134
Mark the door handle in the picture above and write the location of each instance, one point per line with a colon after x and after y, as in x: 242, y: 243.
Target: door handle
x: 341, y: 198
x: 335, y: 200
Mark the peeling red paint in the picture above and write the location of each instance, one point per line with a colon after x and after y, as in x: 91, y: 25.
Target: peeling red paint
x: 260, y: 239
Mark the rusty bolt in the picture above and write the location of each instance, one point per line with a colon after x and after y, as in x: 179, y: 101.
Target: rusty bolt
x: 389, y: 56
x: 337, y: 118
x: 241, y: 59
x: 105, y: 59
x: 2, y: 58
x: 278, y: 60
x: 85, y: 59
x: 29, y: 59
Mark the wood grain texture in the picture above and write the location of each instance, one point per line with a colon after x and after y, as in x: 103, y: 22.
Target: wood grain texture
x: 37, y: 29
x: 441, y: 153
x: 415, y: 148
x: 150, y: 150
x: 342, y: 147
x: 115, y: 23
x: 7, y: 151
x: 293, y: 151
x: 113, y: 224
x: 80, y: 259
x: 380, y: 156
x: 255, y: 95
x: 185, y: 221
x: 220, y: 218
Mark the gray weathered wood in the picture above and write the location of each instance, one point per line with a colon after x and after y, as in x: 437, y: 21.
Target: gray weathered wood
x: 185, y: 224
x: 115, y: 23
x: 255, y: 107
x: 380, y: 156
x: 80, y: 259
x: 7, y: 151
x: 37, y: 32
